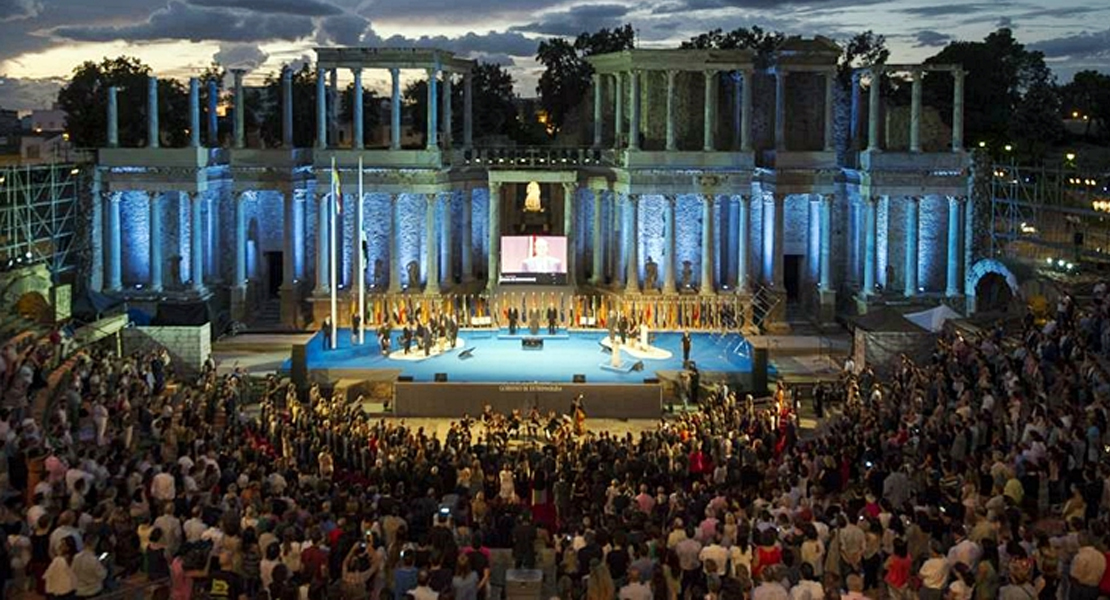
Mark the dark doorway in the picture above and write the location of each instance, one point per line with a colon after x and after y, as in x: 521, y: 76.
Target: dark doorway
x: 792, y: 276
x: 993, y: 294
x: 274, y: 273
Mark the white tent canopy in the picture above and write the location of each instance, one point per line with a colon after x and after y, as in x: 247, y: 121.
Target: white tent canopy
x: 934, y: 318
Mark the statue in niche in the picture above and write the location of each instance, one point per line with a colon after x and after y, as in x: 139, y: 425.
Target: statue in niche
x: 378, y: 276
x: 532, y: 201
x: 651, y: 274
x: 687, y: 274
x: 413, y: 269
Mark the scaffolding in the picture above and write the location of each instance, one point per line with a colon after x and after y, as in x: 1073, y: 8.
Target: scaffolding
x: 38, y: 216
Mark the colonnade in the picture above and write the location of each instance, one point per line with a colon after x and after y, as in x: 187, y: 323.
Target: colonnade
x: 911, y: 283
x: 156, y: 279
x: 917, y: 73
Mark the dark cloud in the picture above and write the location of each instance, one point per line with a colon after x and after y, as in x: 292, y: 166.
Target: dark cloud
x: 585, y: 17
x: 1091, y: 45
x: 1060, y: 12
x: 345, y: 30
x: 462, y: 12
x: 184, y: 22
x: 1005, y: 23
x: 682, y: 6
x: 14, y: 10
x: 471, y: 44
x: 240, y: 56
x: 305, y: 8
x: 28, y: 94
x: 503, y: 60
x: 927, y: 38
x: 944, y: 10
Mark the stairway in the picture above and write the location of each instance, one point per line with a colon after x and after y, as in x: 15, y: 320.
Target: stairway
x: 266, y: 317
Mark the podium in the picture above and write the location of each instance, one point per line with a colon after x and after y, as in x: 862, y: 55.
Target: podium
x: 523, y: 584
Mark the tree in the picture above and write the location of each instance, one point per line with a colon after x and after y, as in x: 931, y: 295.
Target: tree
x: 742, y: 38
x: 304, y: 108
x: 1088, y: 95
x: 85, y: 100
x: 567, y: 76
x: 862, y: 49
x: 416, y: 102
x: 1036, y: 124
x: 216, y: 72
x: 494, y: 102
x: 370, y: 111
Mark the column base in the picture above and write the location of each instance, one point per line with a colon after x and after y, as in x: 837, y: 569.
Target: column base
x: 632, y: 289
x: 239, y: 304
x: 826, y: 309
x: 706, y: 291
x: 290, y: 309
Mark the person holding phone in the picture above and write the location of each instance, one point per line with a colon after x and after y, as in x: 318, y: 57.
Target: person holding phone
x: 89, y: 569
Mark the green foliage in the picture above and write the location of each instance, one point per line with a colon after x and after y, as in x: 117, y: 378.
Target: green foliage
x: 85, y: 100
x: 566, y: 76
x: 304, y: 109
x: 1036, y: 123
x: 370, y: 111
x: 416, y: 104
x: 1088, y: 94
x: 741, y: 38
x: 862, y: 49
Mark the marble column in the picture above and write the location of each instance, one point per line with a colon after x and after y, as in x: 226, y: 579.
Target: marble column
x: 746, y: 112
x: 115, y: 243
x: 710, y: 102
x: 742, y: 226
x: 156, y: 282
x: 289, y: 249
x: 632, y: 245
x: 433, y: 109
x: 321, y: 110
x: 913, y: 206
x: 777, y: 238
x: 830, y: 111
x: 152, y: 130
x: 467, y: 236
x: 240, y: 110
x: 286, y: 107
x: 358, y: 135
x: 196, y: 201
x: 194, y: 112
x: 708, y: 202
x: 597, y: 252
x: 445, y: 237
x: 826, y: 243
x: 395, y: 266
x: 634, y: 110
x: 494, y: 235
x: 213, y: 117
x: 569, y: 191
x: 323, y: 258
x: 241, y: 241
x: 212, y: 236
x: 113, y: 117
x: 468, y: 111
x: 96, y: 235
x: 618, y: 108
x: 869, y: 246
x: 855, y: 111
x: 958, y: 110
x: 333, y: 108
x: 874, y: 110
x: 448, y: 125
x: 915, y: 113
x: 670, y: 260
x: 952, y: 279
x: 780, y: 110
x: 431, y: 238
x: 672, y: 137
x: 598, y: 99
x: 395, y: 117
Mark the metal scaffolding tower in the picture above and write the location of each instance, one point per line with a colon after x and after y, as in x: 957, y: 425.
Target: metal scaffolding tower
x: 38, y: 216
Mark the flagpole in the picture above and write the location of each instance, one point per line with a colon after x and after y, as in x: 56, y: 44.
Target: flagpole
x: 334, y: 256
x: 361, y: 262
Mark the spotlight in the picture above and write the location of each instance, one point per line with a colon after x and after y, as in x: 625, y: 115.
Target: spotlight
x: 28, y: 255
x: 75, y: 171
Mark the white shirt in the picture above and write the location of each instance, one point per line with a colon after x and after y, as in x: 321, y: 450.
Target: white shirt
x: 60, y: 578
x: 717, y: 554
x: 807, y: 590
x: 635, y: 591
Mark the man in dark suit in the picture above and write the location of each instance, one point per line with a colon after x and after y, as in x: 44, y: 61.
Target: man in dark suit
x: 421, y: 334
x: 428, y: 340
x: 406, y: 338
x: 686, y: 341
x: 513, y: 317
x: 622, y: 328
x: 552, y: 317
x: 326, y: 329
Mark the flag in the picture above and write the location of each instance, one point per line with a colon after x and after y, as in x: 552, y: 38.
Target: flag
x: 336, y: 189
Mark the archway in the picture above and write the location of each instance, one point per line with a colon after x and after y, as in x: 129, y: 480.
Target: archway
x: 990, y: 285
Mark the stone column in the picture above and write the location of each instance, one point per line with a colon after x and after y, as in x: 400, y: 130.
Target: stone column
x: 96, y: 235
x: 746, y: 112
x: 494, y: 235
x: 395, y: 266
x: 780, y: 110
x: 448, y: 126
x: 152, y: 130
x: 286, y: 107
x: 194, y: 112
x: 669, y: 262
x: 196, y: 200
x: 333, y: 108
x: 597, y: 109
x: 321, y: 111
x: 241, y: 241
x: 874, y: 144
x: 212, y: 251
x: 869, y: 247
x: 113, y: 117
x: 710, y: 101
x: 240, y: 110
x: 445, y: 237
x: 779, y: 204
x: 958, y: 110
x: 830, y: 111
x: 358, y: 135
x: 323, y: 257
x: 468, y: 111
x: 634, y: 110
x: 433, y: 109
x: 432, y: 272
x: 569, y: 191
x: 912, y: 208
x: 115, y: 246
x: 467, y: 236
x: 742, y: 226
x: 708, y: 201
x: 826, y: 243
x: 856, y: 111
x: 672, y: 138
x: 597, y: 252
x: 632, y: 248
x: 618, y: 109
x: 395, y: 118
x: 915, y: 113
x: 213, y: 118
x: 952, y: 279
x: 155, y: 241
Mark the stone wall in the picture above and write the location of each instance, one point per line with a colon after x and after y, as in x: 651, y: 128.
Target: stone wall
x: 189, y: 347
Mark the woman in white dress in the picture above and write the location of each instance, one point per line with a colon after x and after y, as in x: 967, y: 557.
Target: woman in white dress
x: 508, y: 489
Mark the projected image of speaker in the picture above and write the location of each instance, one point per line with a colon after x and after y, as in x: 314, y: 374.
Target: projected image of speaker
x: 579, y: 378
x: 441, y: 377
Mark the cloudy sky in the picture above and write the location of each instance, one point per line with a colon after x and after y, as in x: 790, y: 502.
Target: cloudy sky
x: 43, y: 40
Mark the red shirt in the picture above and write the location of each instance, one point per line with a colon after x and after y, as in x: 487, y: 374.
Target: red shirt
x: 313, y: 560
x: 898, y: 571
x: 767, y: 557
x: 1104, y: 585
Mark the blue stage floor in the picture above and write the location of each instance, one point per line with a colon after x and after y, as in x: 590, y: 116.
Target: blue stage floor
x: 503, y: 360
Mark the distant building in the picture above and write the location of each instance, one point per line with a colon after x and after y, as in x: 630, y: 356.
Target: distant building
x: 9, y: 131
x: 48, y: 121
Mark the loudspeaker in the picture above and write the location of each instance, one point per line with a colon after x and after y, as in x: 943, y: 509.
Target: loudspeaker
x: 404, y: 378
x: 639, y: 366
x: 759, y: 371
x: 651, y: 380
x: 579, y: 378
x: 441, y: 377
x: 530, y: 343
x: 299, y: 370
x: 689, y: 365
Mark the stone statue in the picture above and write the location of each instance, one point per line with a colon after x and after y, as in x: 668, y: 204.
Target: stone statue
x: 532, y: 201
x: 687, y: 274
x: 651, y: 274
x: 413, y: 269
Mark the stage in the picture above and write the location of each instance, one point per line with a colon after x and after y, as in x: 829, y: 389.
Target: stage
x: 491, y: 366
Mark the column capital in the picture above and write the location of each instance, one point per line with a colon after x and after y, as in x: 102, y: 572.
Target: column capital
x: 570, y: 186
x: 432, y: 72
x: 495, y: 186
x: 672, y: 73
x: 958, y: 74
x: 395, y: 71
x: 876, y: 69
x: 286, y: 72
x: 596, y: 77
x: 153, y: 196
x: 781, y: 72
x: 356, y: 70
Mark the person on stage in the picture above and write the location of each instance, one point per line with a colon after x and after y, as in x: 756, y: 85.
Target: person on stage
x: 326, y: 330
x: 622, y: 328
x: 406, y: 338
x: 356, y: 321
x: 514, y: 316
x: 385, y: 335
x: 428, y: 340
x: 686, y: 342
x: 578, y: 413
x: 452, y: 332
x: 552, y: 317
